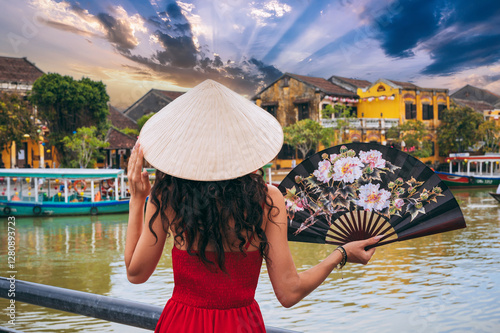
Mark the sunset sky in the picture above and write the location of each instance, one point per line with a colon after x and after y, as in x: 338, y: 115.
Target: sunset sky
x: 133, y: 46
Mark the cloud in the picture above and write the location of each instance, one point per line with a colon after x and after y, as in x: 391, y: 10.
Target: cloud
x: 165, y: 45
x: 261, y: 13
x: 406, y: 25
x: 177, y: 51
x: 463, y: 53
x: 68, y: 28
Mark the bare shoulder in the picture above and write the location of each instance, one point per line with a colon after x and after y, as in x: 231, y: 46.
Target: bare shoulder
x: 274, y: 192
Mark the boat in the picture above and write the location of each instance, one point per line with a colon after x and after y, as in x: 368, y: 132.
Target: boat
x: 41, y: 192
x: 496, y: 196
x: 478, y: 171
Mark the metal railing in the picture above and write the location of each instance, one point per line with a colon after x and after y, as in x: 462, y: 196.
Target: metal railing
x: 91, y: 305
x: 363, y: 123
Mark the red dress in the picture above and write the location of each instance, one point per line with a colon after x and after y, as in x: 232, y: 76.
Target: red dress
x: 205, y: 299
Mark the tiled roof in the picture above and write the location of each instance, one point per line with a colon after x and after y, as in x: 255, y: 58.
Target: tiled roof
x: 478, y: 106
x: 354, y: 82
x: 119, y: 140
x: 169, y: 94
x: 406, y: 85
x: 472, y: 93
x: 120, y: 120
x: 323, y: 84
x: 18, y: 70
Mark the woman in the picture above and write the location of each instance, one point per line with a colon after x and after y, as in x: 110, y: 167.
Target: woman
x: 223, y: 218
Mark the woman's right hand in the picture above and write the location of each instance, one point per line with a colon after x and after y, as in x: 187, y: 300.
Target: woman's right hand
x: 138, y: 180
x: 356, y: 252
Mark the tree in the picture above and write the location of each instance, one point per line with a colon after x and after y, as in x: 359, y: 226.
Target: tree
x: 414, y: 134
x: 459, y: 129
x: 141, y: 121
x: 130, y: 131
x: 85, y: 145
x: 304, y: 135
x: 16, y: 120
x: 342, y: 113
x: 490, y: 134
x: 67, y: 104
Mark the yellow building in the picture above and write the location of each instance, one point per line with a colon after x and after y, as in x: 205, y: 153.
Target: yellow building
x: 387, y: 103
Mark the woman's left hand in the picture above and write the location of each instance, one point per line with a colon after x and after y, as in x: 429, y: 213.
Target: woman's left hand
x: 138, y: 180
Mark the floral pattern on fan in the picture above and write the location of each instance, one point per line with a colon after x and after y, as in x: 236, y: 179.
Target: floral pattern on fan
x: 347, y: 182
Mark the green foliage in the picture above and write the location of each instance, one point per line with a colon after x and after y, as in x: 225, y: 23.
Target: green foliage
x: 393, y: 133
x: 304, y: 135
x: 336, y: 135
x: 16, y: 120
x: 141, y: 121
x: 490, y: 134
x: 84, y: 146
x: 459, y: 129
x: 413, y: 133
x: 67, y: 104
x: 130, y: 131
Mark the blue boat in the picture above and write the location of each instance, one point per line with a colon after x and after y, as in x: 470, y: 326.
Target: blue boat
x: 39, y: 192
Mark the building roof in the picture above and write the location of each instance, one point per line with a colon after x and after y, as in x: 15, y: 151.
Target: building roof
x: 472, y: 93
x: 478, y: 106
x: 164, y: 97
x: 169, y: 94
x: 324, y: 85
x: 119, y: 140
x: 18, y: 70
x: 406, y: 85
x: 349, y: 83
x: 120, y: 120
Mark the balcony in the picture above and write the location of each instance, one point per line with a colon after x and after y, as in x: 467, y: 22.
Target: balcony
x: 363, y: 123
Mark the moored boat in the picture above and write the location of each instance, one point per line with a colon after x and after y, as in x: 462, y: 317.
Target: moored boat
x: 39, y: 192
x: 478, y: 171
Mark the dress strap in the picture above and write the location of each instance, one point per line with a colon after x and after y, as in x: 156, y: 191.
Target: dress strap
x: 249, y: 241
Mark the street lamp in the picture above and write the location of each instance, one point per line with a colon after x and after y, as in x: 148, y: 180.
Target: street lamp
x: 459, y: 143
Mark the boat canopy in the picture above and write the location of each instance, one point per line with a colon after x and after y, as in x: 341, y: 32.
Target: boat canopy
x: 62, y: 173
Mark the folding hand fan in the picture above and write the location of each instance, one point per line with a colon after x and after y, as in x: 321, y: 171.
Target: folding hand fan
x: 359, y: 190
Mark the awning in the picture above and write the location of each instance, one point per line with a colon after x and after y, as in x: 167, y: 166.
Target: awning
x: 61, y: 173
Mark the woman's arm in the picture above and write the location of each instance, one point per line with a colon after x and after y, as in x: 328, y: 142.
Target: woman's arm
x: 142, y: 251
x: 289, y: 286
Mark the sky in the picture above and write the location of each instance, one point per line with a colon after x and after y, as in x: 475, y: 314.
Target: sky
x: 133, y: 46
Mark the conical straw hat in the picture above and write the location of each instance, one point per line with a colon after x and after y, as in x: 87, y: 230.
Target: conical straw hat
x: 210, y: 133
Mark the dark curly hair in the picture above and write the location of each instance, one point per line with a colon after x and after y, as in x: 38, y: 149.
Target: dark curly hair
x: 203, y: 211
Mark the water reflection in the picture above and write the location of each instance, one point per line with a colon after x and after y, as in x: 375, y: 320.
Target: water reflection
x: 446, y: 282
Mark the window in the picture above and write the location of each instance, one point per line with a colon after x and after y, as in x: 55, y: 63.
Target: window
x: 272, y: 109
x: 427, y: 112
x: 354, y: 111
x: 303, y: 109
x: 441, y: 107
x: 410, y: 111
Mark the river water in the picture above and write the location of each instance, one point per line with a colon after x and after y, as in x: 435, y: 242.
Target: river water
x: 442, y: 283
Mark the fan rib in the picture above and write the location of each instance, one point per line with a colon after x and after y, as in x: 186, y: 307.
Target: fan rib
x: 336, y: 238
x: 379, y: 226
x: 338, y: 230
x: 346, y: 224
